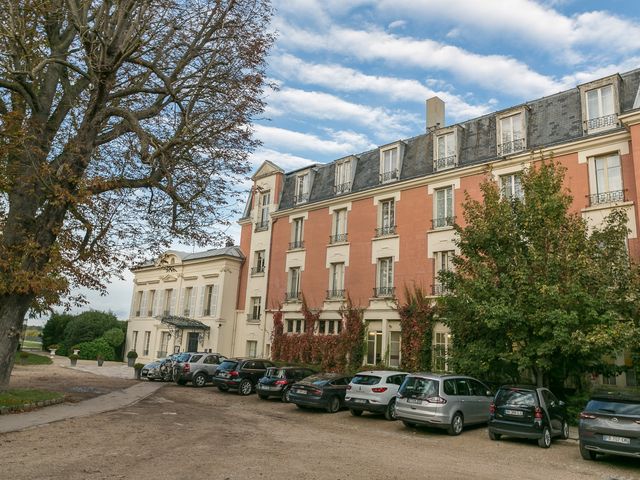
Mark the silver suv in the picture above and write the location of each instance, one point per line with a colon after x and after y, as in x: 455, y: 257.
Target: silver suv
x: 374, y: 391
x: 444, y: 401
x: 198, y: 369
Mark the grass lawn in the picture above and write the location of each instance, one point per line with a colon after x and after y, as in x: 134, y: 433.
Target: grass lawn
x: 14, y: 397
x: 32, y: 344
x: 33, y: 359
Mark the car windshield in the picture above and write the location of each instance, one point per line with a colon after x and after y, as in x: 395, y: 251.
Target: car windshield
x: 614, y: 407
x: 516, y: 397
x: 365, y: 380
x: 275, y: 372
x: 318, y: 379
x: 228, y: 365
x: 183, y: 357
x: 420, y: 387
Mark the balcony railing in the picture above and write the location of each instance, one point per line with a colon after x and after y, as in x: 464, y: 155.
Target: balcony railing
x: 439, y: 289
x: 335, y: 293
x: 301, y: 198
x: 607, y: 197
x: 161, y: 353
x: 384, y: 231
x: 445, y: 162
x: 252, y: 318
x: 339, y: 238
x: 388, y: 176
x: 342, y: 188
x: 602, y: 122
x: 442, y: 222
x: 514, y: 146
x: 292, y: 296
x: 261, y: 226
x: 257, y: 270
x: 381, y: 292
x: 296, y: 244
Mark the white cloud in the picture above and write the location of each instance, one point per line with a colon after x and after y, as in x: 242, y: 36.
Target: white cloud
x: 286, y: 161
x: 397, y: 24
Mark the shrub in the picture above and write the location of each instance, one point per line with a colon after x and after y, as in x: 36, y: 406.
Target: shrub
x: 53, y: 331
x: 88, y: 326
x: 114, y: 336
x: 53, y: 346
x: 132, y: 354
x: 73, y: 356
x: 99, y: 347
x: 138, y: 366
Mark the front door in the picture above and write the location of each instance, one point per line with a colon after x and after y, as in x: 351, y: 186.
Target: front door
x: 192, y: 342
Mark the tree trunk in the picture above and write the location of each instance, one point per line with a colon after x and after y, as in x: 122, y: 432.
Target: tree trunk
x: 13, y: 308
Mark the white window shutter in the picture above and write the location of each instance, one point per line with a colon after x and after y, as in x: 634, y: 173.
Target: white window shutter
x: 181, y: 302
x: 201, y: 302
x: 160, y: 303
x: 214, y: 301
x: 143, y: 304
x: 172, y: 305
x: 192, y: 303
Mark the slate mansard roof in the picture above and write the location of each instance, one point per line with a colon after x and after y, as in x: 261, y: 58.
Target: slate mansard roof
x: 551, y: 120
x: 232, y: 251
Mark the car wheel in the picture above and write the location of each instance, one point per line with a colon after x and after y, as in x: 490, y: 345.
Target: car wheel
x: 494, y: 436
x: 455, y: 427
x: 408, y: 424
x: 199, y: 380
x: 181, y: 382
x: 390, y: 412
x: 223, y: 388
x: 587, y: 454
x: 301, y: 407
x: 334, y: 405
x: 565, y: 430
x: 263, y: 397
x: 245, y: 387
x: 355, y: 413
x: 286, y: 396
x: 545, y: 440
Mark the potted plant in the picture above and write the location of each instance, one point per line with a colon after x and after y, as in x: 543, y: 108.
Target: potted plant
x: 76, y: 349
x: 138, y: 369
x: 23, y: 357
x: 100, y: 360
x: 74, y: 359
x: 131, y: 357
x: 52, y: 349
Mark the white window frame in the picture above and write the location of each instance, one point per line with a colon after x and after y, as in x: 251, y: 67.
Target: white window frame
x: 387, y: 217
x: 259, y: 257
x: 445, y: 154
x: 374, y: 342
x: 599, y: 119
x: 342, y: 180
x: 385, y: 277
x: 256, y: 308
x: 447, y: 216
x: 210, y: 306
x: 146, y: 342
x: 293, y: 287
x: 604, y: 188
x: 395, y: 362
x: 302, y: 188
x: 151, y: 302
x: 297, y: 232
x: 252, y: 348
x: 263, y: 214
x: 511, y: 186
x: 389, y: 164
x: 442, y: 263
x: 440, y: 341
x: 339, y: 227
x: 336, y: 278
x: 508, y: 140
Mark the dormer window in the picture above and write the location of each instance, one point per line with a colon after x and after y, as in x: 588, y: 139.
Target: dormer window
x: 263, y: 211
x: 302, y: 189
x: 600, y: 108
x: 343, y: 177
x: 511, y: 134
x: 389, y: 165
x: 445, y: 151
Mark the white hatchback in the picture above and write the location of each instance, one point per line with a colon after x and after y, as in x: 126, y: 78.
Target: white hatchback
x: 374, y: 391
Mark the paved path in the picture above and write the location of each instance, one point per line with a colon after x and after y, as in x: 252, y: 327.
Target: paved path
x: 55, y: 413
x: 108, y: 369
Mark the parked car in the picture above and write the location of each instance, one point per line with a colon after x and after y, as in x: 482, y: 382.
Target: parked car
x: 444, y: 401
x: 374, y: 391
x: 610, y: 423
x: 240, y: 374
x: 198, y: 369
x: 160, y: 369
x: 528, y: 412
x: 322, y: 390
x: 277, y: 381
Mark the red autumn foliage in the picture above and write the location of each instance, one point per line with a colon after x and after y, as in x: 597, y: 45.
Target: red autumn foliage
x: 416, y: 323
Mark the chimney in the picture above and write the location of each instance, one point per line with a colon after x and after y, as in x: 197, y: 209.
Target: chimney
x: 435, y: 113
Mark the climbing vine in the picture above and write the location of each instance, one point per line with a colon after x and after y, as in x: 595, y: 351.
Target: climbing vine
x: 416, y: 323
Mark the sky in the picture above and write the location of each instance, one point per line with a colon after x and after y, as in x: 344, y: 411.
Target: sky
x: 352, y: 75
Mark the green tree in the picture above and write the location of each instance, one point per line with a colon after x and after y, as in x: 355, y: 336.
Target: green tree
x: 114, y: 336
x: 533, y: 289
x: 53, y: 331
x: 89, y: 326
x: 124, y: 126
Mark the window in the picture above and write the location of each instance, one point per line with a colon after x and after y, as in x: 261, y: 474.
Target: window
x: 210, y: 300
x: 387, y: 218
x: 385, y: 278
x: 511, y: 187
x: 608, y: 180
x: 188, y: 301
x: 296, y: 234
x: 134, y: 340
x: 289, y: 326
x: 258, y: 266
x: 443, y: 263
x: 440, y: 348
x: 374, y: 347
x: 394, y: 350
x: 252, y: 348
x: 298, y: 326
x: 302, y: 189
x: 600, y: 108
x: 145, y: 346
x: 609, y: 380
x: 322, y: 327
x: 343, y: 177
x: 336, y: 280
x: 168, y: 302
x: 294, y: 284
x: 211, y: 360
x: 151, y: 302
x: 443, y: 208
x: 263, y: 212
x: 164, y: 344
x: 389, y: 165
x: 339, y: 226
x: 138, y: 303
x: 511, y: 139
x: 445, y: 152
x: 255, y: 308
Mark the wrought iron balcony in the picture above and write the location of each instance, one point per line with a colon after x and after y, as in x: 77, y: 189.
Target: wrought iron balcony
x: 388, y: 176
x: 292, y: 296
x: 442, y: 163
x: 301, y: 198
x: 339, y: 238
x: 296, y: 244
x: 607, y: 197
x: 252, y: 318
x: 384, y: 231
x: 442, y: 222
x: 514, y: 146
x: 257, y: 270
x: 602, y: 122
x: 261, y: 226
x: 382, y: 292
x: 439, y: 289
x: 335, y: 293
x: 342, y: 188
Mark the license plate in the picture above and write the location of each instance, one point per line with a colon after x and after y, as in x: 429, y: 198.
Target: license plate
x: 267, y: 387
x: 301, y: 392
x: 515, y: 413
x: 359, y: 400
x: 614, y: 439
x: 414, y: 400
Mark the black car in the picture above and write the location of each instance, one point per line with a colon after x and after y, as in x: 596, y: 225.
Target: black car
x: 277, y: 381
x: 528, y: 412
x: 610, y: 423
x: 322, y: 390
x: 241, y: 374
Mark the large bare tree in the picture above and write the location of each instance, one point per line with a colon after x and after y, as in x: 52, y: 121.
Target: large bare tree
x: 123, y: 124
